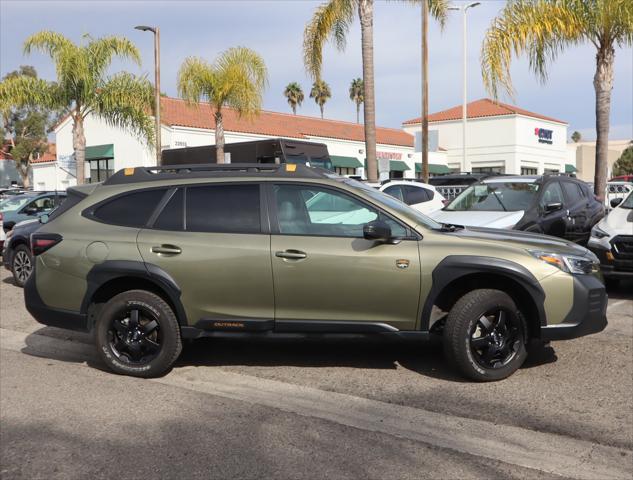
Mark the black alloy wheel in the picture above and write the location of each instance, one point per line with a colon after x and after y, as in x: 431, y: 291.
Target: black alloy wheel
x: 496, y: 338
x: 135, y: 337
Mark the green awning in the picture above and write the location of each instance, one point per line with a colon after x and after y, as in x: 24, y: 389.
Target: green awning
x: 570, y: 168
x: 398, y: 166
x: 434, y: 168
x: 96, y: 152
x: 345, y: 162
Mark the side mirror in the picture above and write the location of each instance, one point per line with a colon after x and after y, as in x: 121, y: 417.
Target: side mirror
x: 615, y: 202
x: 552, y: 207
x: 44, y: 218
x: 377, y: 231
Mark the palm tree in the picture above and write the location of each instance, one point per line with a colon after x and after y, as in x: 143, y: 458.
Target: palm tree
x: 332, y: 20
x: 294, y: 95
x: 576, y: 136
x: 321, y: 93
x: 542, y: 29
x: 356, y: 95
x: 236, y: 79
x: 83, y: 87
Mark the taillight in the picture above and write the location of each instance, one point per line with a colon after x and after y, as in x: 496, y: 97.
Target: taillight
x: 40, y: 242
x: 1, y: 216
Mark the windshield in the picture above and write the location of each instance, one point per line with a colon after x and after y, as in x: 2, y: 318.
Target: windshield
x: 395, y: 204
x: 495, y: 197
x: 628, y: 202
x: 11, y: 204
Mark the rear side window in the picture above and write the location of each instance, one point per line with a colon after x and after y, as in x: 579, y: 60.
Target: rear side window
x: 130, y: 210
x: 395, y: 191
x: 173, y: 215
x: 416, y: 195
x: 223, y: 209
x: 572, y: 192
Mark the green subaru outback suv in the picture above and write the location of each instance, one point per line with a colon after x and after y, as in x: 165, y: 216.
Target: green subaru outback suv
x: 156, y: 255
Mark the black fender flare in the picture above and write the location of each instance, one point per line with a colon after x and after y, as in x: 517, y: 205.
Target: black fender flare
x: 454, y: 267
x: 113, y: 269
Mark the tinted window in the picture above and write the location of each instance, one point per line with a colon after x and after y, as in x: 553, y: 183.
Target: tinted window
x: 395, y: 191
x: 572, y: 192
x: 131, y: 210
x: 42, y: 204
x: 173, y: 215
x: 303, y: 210
x: 414, y: 195
x: 552, y: 194
x: 223, y: 209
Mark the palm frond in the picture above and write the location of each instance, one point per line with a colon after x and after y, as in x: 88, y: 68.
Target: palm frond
x: 438, y: 9
x: 196, y: 80
x: 331, y: 20
x: 23, y: 91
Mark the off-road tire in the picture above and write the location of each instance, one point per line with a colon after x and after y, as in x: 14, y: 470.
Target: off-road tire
x: 457, y: 334
x: 171, y: 345
x: 21, y: 255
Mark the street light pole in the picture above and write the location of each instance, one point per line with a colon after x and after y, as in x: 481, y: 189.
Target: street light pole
x: 156, y: 32
x: 464, y: 8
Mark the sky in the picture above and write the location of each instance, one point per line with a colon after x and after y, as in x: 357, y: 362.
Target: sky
x: 274, y: 28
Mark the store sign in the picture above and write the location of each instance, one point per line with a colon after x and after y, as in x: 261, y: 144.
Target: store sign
x: 389, y: 155
x: 544, y: 135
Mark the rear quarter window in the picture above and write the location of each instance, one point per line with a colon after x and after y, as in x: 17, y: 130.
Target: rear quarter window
x: 130, y: 209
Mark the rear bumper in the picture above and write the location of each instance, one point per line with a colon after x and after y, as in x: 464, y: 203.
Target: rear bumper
x: 53, y: 317
x: 588, y: 314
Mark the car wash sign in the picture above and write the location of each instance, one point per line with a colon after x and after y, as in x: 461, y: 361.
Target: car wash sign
x: 544, y: 135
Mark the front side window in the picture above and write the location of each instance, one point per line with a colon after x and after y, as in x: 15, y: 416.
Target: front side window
x: 42, y: 204
x: 552, y: 194
x: 312, y: 210
x: 223, y: 209
x: 497, y: 196
x: 130, y: 210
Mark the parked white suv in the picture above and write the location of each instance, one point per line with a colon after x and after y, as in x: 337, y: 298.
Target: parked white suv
x: 421, y: 196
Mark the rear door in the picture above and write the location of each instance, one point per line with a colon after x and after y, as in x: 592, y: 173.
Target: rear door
x: 325, y: 271
x: 213, y: 241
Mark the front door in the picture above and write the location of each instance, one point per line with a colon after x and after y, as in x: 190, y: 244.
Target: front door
x: 553, y: 222
x: 216, y: 252
x: 325, y: 271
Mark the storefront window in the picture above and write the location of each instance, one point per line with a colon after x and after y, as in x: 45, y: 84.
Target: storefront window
x: 489, y: 170
x: 101, y: 169
x: 345, y: 170
x: 528, y: 171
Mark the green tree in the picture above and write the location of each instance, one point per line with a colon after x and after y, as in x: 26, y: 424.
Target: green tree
x: 321, y: 93
x: 331, y: 20
x: 542, y: 29
x: 624, y: 164
x: 576, y: 136
x: 83, y: 87
x: 237, y: 79
x: 294, y: 95
x: 356, y: 95
x: 25, y: 129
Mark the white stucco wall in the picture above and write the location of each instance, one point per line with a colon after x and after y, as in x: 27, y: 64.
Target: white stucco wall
x: 50, y: 176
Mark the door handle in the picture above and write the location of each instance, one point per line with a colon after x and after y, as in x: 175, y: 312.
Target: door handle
x: 167, y: 249
x: 291, y: 254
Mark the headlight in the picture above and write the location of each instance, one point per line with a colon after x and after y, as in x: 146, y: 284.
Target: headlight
x: 570, y: 263
x: 597, y: 232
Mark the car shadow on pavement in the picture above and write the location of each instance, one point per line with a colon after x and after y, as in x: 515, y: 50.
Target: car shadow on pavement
x: 10, y: 280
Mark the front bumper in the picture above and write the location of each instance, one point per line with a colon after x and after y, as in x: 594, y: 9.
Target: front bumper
x: 615, y: 255
x: 50, y: 316
x: 588, y: 314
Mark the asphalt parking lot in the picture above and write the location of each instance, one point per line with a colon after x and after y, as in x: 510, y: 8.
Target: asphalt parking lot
x: 312, y: 409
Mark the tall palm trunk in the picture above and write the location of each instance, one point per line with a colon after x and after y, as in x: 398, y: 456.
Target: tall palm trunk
x: 358, y: 113
x: 424, y: 139
x: 603, y: 84
x: 321, y: 107
x: 294, y: 109
x: 219, y: 137
x: 366, y: 15
x: 79, y: 146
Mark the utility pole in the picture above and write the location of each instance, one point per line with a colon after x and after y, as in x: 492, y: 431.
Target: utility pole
x: 424, y: 123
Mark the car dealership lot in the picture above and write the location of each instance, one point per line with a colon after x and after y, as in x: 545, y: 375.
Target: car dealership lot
x: 313, y: 408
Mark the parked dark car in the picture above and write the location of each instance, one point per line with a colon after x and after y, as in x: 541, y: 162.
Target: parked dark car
x: 556, y: 205
x: 16, y: 255
x: 452, y: 184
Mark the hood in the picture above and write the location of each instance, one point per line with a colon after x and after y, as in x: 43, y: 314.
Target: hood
x: 478, y: 219
x: 618, y: 222
x: 525, y: 240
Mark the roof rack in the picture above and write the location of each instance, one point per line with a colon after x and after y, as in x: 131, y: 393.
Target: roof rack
x: 213, y: 170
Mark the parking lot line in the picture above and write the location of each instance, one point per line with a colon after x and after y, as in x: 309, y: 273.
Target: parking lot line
x: 546, y: 452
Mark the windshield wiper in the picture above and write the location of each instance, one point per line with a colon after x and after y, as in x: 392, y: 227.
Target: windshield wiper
x: 499, y: 200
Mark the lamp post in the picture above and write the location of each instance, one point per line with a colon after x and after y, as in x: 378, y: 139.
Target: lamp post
x: 156, y: 32
x: 464, y: 8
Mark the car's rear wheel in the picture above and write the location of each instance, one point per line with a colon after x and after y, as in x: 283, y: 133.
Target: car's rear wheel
x: 21, y: 265
x: 485, y: 335
x: 138, y: 334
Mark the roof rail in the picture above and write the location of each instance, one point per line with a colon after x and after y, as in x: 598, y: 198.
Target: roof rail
x: 213, y: 170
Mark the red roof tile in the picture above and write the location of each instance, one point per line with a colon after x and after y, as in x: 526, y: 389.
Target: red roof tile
x: 49, y: 156
x: 484, y: 107
x: 177, y: 112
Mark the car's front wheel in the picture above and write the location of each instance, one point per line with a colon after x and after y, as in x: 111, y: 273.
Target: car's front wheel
x: 138, y: 334
x: 485, y: 335
x: 21, y: 265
